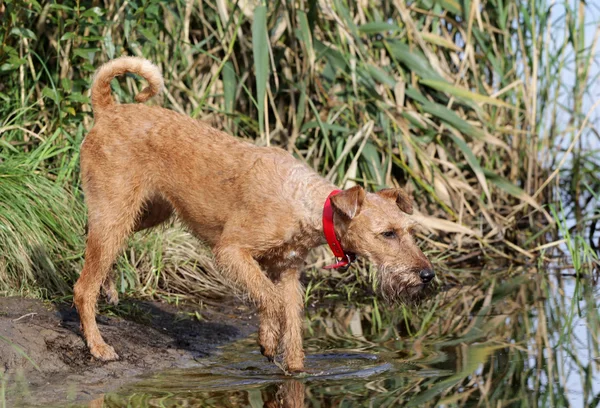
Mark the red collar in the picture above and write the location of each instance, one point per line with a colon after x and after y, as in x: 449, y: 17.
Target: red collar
x: 344, y: 259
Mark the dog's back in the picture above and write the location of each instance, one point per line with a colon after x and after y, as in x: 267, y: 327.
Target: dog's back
x: 207, y: 176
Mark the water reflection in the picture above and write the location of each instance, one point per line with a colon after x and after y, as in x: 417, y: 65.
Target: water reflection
x: 529, y: 340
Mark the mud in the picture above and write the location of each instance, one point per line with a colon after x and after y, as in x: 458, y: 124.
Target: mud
x: 43, y: 357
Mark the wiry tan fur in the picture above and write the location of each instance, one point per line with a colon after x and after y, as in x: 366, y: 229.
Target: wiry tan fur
x: 258, y: 208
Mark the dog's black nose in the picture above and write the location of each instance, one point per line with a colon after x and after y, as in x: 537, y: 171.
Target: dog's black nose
x: 426, y: 275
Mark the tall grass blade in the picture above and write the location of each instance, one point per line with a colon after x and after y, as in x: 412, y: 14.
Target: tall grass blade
x: 261, y: 61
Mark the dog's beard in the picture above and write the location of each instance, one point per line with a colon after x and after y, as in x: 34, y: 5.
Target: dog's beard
x: 401, y: 285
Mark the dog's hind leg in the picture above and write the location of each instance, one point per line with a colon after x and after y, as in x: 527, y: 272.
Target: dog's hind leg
x: 154, y: 212
x: 111, y: 219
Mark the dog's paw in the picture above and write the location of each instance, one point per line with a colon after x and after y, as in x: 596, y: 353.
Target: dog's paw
x: 112, y: 297
x: 295, y: 366
x: 270, y: 355
x: 104, y: 352
x: 268, y: 339
x: 110, y: 292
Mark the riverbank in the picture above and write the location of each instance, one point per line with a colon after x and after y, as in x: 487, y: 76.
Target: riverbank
x: 44, y: 355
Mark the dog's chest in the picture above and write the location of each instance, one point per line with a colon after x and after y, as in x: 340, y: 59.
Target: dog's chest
x: 287, y: 255
x: 283, y: 257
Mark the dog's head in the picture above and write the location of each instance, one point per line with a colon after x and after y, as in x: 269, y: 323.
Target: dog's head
x: 377, y: 226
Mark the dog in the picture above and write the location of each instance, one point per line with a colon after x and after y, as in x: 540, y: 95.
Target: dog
x: 259, y: 209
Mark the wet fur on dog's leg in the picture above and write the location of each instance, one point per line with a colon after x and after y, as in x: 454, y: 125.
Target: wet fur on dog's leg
x: 291, y: 339
x: 241, y: 268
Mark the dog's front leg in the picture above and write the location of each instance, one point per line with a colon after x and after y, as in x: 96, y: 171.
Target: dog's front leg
x: 269, y: 332
x: 291, y: 341
x: 239, y: 266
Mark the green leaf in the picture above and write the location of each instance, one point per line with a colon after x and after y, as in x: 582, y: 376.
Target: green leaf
x: 415, y: 61
x: 148, y: 34
x: 229, y: 86
x: 152, y: 10
x: 51, y: 94
x: 344, y: 12
x: 452, y: 6
x: 305, y: 34
x: 23, y: 33
x: 381, y: 76
x: 261, y: 60
x: 12, y: 63
x: 66, y: 84
x: 93, y: 12
x: 464, y: 93
x: 109, y: 45
x: 8, y: 146
x: 86, y: 53
x: 68, y: 36
x: 371, y: 156
x: 377, y: 27
x: 510, y: 188
x: 333, y: 56
x: 78, y: 97
x: 301, y: 109
x: 60, y: 7
x: 441, y: 41
x: 473, y: 162
x: 445, y: 114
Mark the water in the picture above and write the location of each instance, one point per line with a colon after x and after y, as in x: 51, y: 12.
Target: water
x: 529, y: 340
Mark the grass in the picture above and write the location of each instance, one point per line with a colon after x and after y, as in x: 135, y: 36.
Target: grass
x: 41, y: 230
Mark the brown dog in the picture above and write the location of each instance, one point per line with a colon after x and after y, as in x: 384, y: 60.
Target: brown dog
x: 259, y: 209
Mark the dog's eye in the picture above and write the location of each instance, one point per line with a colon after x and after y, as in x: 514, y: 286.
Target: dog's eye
x: 389, y: 234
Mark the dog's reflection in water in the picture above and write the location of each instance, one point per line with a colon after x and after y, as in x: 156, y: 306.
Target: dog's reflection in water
x: 289, y: 394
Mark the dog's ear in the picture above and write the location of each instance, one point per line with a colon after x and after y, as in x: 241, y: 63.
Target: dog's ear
x: 402, y: 199
x: 349, y: 202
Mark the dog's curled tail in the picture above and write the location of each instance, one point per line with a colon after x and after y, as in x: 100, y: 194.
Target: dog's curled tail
x: 101, y: 94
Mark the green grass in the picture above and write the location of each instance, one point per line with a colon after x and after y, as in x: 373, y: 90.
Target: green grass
x: 41, y: 230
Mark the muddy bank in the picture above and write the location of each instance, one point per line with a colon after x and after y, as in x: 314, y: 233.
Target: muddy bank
x: 43, y: 358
